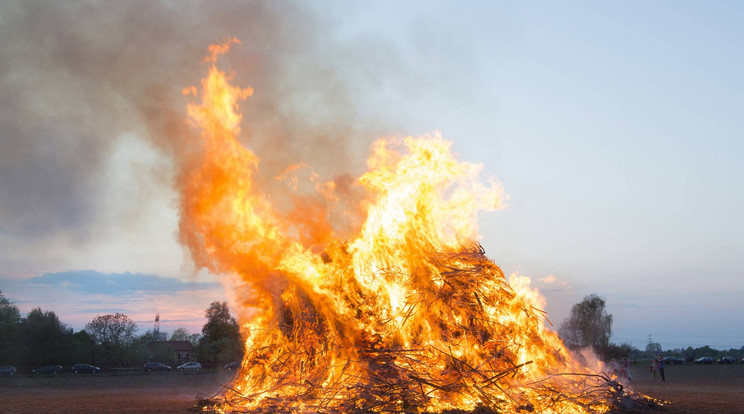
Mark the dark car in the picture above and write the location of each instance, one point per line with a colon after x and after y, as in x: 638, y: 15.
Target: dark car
x: 7, y: 371
x: 232, y: 365
x: 85, y: 368
x: 155, y: 366
x: 726, y: 360
x: 48, y: 369
x: 705, y: 360
x: 674, y: 360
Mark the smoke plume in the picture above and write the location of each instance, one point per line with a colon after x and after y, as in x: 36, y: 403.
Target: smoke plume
x: 76, y: 77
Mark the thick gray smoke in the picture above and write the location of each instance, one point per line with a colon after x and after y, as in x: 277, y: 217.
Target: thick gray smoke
x: 77, y: 76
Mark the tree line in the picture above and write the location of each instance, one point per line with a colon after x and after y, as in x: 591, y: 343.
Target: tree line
x: 589, y: 325
x: 40, y: 338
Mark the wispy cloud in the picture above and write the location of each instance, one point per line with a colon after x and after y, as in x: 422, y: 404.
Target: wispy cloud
x: 79, y: 296
x: 90, y: 281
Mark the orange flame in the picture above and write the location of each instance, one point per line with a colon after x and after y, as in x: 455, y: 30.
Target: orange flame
x: 405, y: 315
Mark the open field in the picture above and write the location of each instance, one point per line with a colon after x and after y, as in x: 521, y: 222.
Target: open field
x: 699, y: 389
x: 109, y: 393
x: 695, y: 389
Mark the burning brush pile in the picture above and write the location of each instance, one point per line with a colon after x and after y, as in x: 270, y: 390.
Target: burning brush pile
x: 404, y: 313
x: 460, y: 338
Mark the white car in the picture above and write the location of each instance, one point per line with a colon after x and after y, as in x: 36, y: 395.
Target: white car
x: 189, y: 366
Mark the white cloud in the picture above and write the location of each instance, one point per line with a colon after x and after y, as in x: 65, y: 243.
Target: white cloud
x: 554, y: 283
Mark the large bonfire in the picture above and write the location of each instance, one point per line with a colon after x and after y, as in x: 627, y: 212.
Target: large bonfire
x: 404, y: 314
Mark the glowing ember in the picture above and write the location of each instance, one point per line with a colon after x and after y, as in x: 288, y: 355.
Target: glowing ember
x: 405, y: 314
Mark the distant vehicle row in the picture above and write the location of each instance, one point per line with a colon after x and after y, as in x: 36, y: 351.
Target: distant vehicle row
x: 9, y: 371
x: 77, y: 368
x: 157, y: 366
x: 703, y: 360
x: 723, y: 360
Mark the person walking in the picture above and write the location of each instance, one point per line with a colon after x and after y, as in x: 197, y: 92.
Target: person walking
x: 626, y: 369
x: 661, y: 367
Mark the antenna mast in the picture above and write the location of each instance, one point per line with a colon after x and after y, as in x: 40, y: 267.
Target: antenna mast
x: 156, y: 330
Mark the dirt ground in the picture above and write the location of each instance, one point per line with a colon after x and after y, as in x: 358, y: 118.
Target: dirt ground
x: 694, y: 389
x: 108, y: 393
x: 698, y: 389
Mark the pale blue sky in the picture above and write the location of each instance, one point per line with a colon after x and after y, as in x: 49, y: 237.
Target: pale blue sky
x: 614, y: 127
x: 616, y: 130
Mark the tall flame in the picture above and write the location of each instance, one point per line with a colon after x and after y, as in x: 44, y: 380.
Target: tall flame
x: 405, y: 314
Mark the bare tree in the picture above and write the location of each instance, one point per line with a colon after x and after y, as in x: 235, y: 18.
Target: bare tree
x: 179, y: 334
x: 112, y: 333
x: 182, y: 334
x: 588, y: 325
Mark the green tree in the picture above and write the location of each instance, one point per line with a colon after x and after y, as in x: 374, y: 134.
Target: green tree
x: 588, y: 326
x: 10, y: 326
x: 45, y: 338
x: 220, y: 324
x: 9, y: 314
x: 113, y: 335
x: 705, y: 351
x: 79, y: 348
x: 220, y: 339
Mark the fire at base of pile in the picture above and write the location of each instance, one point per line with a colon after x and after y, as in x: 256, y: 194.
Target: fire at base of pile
x: 462, y: 340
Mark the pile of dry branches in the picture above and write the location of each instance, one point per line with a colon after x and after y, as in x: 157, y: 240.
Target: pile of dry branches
x: 454, y: 346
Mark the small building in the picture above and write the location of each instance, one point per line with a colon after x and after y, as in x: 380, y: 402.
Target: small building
x: 172, y: 351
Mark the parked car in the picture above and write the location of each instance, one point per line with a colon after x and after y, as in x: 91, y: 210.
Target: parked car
x: 189, y: 366
x: 232, y: 365
x: 705, y: 360
x: 726, y: 360
x: 674, y: 360
x: 48, y: 369
x: 155, y: 366
x: 85, y: 368
x: 7, y: 371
